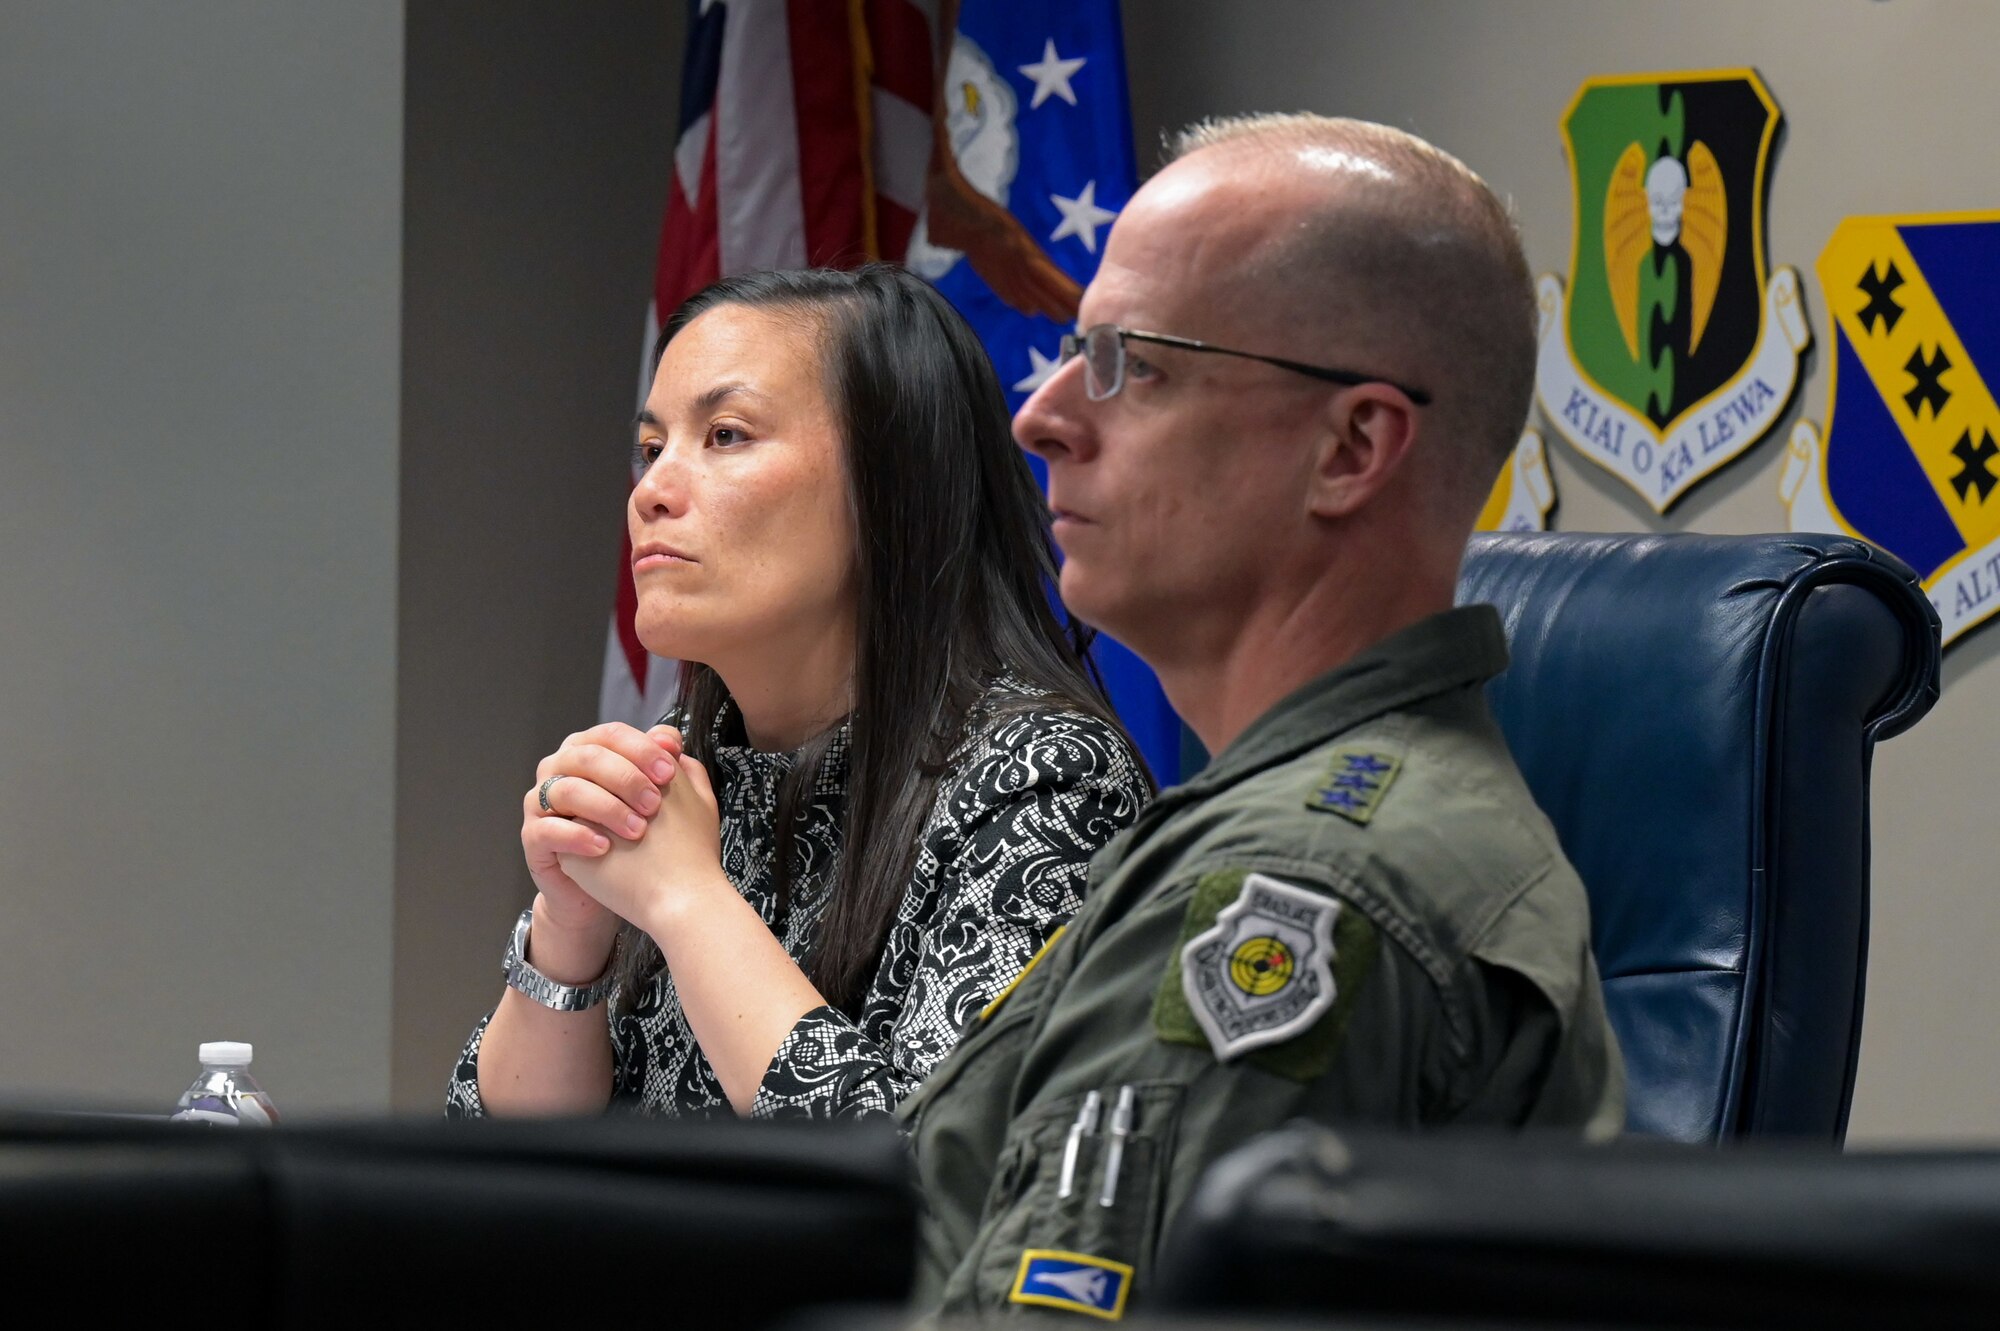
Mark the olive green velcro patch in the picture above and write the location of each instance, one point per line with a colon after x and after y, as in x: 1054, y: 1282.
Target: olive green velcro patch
x: 1356, y: 780
x: 1263, y: 965
x: 1173, y: 1019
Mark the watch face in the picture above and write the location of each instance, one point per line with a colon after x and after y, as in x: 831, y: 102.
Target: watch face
x: 512, y: 952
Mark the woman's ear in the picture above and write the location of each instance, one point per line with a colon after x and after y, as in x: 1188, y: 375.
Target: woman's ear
x: 1368, y: 434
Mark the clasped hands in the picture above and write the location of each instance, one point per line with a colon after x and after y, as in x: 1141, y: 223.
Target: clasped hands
x: 632, y: 828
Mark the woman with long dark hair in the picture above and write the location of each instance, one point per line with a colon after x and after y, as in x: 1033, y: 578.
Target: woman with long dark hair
x: 892, y: 762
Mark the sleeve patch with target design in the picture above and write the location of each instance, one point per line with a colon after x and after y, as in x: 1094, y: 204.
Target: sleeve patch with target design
x: 1266, y: 971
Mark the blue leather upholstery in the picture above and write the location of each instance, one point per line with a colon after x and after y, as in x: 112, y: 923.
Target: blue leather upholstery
x: 1696, y: 714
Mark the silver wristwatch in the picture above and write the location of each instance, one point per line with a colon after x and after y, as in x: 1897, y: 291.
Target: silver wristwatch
x: 560, y: 997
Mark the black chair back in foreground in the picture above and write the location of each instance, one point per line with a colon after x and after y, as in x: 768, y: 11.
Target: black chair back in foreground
x: 605, y: 1222
x: 1549, y: 1233
x: 1696, y: 716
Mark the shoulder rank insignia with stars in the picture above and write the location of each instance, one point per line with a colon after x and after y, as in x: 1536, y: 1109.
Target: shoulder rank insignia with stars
x: 1354, y: 783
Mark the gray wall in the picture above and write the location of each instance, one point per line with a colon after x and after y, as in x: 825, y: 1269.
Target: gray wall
x: 199, y: 310
x: 1886, y: 105
x: 538, y: 154
x: 309, y: 522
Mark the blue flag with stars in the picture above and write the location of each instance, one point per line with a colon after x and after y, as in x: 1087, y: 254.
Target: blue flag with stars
x: 1036, y: 113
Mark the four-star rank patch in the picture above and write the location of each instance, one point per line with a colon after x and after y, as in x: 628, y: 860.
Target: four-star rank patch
x: 1356, y: 780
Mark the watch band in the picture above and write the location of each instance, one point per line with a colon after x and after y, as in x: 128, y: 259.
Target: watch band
x: 549, y: 993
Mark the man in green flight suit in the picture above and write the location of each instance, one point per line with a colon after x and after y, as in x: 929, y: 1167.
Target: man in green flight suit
x: 1308, y: 351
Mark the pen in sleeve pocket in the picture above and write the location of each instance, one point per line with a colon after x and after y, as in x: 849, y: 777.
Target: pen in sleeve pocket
x: 1086, y: 1122
x: 1114, y: 1154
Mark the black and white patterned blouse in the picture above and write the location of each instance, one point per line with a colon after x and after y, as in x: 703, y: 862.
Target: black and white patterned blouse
x: 1028, y: 800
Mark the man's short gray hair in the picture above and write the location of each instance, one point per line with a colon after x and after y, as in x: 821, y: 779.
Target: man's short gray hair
x: 1413, y: 258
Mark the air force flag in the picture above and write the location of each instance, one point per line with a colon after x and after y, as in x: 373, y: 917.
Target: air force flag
x: 1037, y: 118
x: 1035, y: 113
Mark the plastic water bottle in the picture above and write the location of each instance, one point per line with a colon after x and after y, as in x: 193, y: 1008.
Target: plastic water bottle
x: 225, y: 1095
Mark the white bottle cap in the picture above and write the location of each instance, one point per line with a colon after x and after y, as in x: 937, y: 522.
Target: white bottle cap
x: 224, y: 1054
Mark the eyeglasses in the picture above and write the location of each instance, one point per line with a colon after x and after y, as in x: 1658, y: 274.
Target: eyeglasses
x: 1103, y: 348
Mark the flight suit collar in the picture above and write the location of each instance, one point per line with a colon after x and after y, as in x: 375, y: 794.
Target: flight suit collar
x: 1460, y: 647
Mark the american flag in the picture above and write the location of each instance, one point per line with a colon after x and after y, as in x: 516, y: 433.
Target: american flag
x: 986, y: 143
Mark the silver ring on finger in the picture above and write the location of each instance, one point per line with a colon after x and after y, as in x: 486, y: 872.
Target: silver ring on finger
x: 543, y: 793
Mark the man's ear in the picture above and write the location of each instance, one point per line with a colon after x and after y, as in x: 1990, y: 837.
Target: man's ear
x: 1369, y: 431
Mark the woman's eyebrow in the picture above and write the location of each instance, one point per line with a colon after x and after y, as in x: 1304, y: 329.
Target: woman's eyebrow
x: 713, y: 398
x: 708, y: 401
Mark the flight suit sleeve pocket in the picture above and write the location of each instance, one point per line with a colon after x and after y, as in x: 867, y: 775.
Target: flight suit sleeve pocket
x: 1074, y: 1214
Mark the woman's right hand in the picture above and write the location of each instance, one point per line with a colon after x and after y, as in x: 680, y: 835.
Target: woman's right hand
x: 610, y: 781
x: 534, y: 1059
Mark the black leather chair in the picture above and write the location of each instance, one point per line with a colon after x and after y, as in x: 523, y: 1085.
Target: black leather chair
x: 1485, y: 1230
x: 1696, y: 715
x: 601, y: 1223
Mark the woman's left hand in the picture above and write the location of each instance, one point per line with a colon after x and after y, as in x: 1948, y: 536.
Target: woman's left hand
x: 680, y: 852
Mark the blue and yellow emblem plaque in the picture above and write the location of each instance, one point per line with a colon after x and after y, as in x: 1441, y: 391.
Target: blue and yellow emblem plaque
x: 1911, y: 458
x: 1072, y: 1281
x: 1672, y: 350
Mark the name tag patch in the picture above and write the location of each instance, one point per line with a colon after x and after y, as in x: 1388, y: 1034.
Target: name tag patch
x: 1073, y: 1281
x: 1264, y: 971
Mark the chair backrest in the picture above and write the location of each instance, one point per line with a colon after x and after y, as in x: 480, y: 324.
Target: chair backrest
x: 1447, y: 1231
x: 1696, y: 715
